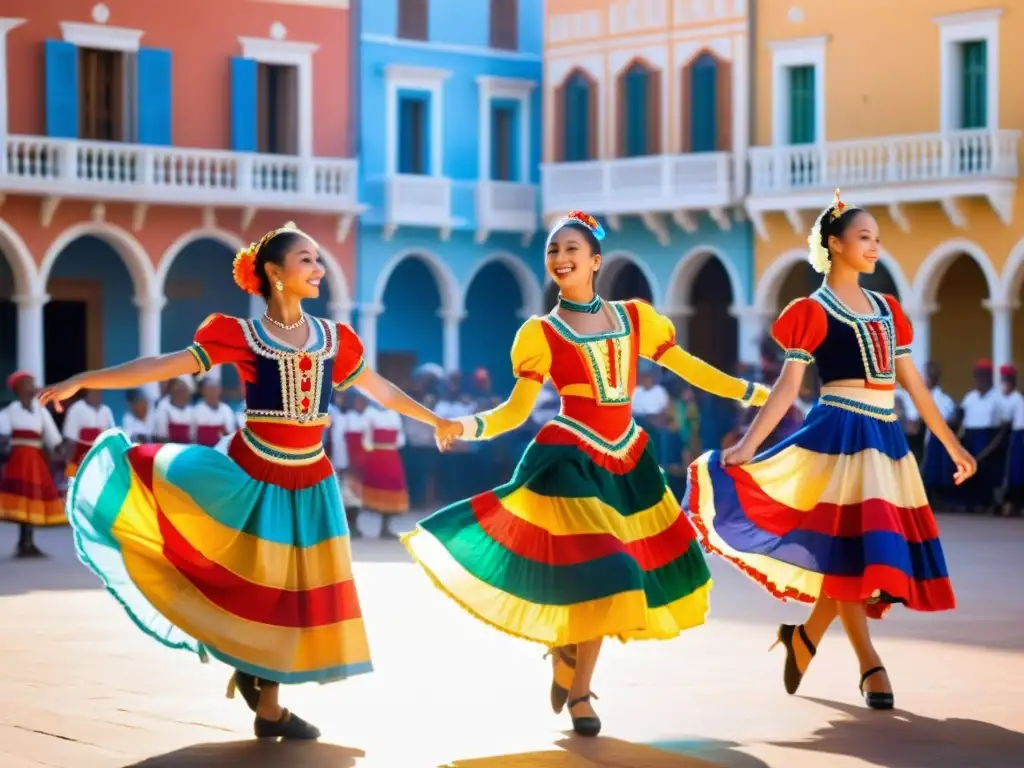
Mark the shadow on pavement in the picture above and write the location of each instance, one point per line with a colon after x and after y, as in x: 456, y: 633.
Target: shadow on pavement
x: 256, y: 754
x: 900, y: 739
x: 604, y: 752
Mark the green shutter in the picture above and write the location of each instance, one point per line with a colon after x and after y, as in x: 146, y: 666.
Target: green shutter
x: 974, y: 86
x: 801, y: 105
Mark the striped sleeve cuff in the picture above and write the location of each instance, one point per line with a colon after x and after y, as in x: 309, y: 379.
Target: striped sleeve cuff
x: 902, y: 351
x: 201, y: 355
x: 472, y: 427
x: 347, y: 381
x: 799, y: 356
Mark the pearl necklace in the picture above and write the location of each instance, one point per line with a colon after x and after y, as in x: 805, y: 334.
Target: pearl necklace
x: 297, y: 324
x: 591, y: 307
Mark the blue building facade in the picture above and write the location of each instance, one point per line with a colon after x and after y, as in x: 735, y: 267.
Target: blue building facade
x: 449, y: 259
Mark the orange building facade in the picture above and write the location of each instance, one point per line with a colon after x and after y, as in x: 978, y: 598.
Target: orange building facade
x: 142, y: 146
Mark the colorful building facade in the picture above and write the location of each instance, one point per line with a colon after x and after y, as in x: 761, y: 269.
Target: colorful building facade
x: 141, y: 149
x: 646, y: 124
x: 449, y: 103
x: 916, y: 115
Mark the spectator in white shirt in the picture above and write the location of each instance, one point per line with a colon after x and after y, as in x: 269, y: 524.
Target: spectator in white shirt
x: 937, y: 467
x: 139, y: 423
x: 1013, y: 416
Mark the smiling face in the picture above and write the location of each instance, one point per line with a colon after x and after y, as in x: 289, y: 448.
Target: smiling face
x: 300, y: 268
x: 571, y: 261
x: 858, y: 245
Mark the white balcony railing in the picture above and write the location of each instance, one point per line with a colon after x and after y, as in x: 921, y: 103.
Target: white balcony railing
x: 657, y: 183
x: 172, y: 175
x: 506, y: 206
x: 418, y: 201
x: 885, y: 161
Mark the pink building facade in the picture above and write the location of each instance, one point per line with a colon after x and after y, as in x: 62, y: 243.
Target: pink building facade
x: 141, y: 145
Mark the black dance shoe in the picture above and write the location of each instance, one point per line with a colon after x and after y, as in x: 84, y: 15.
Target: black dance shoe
x: 874, y: 699
x: 791, y: 674
x: 561, y: 678
x: 288, y: 726
x: 589, y: 725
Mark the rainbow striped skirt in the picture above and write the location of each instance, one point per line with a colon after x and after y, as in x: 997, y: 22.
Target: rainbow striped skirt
x: 585, y: 541
x: 206, y: 558
x: 836, y: 508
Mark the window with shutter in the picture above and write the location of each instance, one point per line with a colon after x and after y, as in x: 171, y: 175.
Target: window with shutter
x: 101, y: 112
x: 974, y: 84
x: 578, y: 101
x: 703, y: 75
x: 802, y: 129
x: 277, y: 109
x: 413, y: 134
x: 634, y: 110
x: 504, y: 141
x: 505, y: 24
x: 413, y: 19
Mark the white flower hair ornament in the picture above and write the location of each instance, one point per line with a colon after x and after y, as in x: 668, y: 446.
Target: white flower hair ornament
x: 817, y: 252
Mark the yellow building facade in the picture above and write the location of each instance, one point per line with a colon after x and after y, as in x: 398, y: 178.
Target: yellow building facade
x: 914, y: 110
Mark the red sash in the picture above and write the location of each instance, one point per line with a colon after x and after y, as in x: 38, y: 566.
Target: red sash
x: 209, y: 435
x: 179, y: 433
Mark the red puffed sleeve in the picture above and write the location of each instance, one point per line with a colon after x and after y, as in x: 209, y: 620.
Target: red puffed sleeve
x: 800, y: 329
x: 219, y: 340
x: 348, y: 362
x: 904, y: 330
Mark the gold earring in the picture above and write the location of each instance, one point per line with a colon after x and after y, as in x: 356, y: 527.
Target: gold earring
x: 279, y: 285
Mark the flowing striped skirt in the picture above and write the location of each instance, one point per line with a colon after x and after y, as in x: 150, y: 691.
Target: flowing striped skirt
x: 206, y: 558
x: 838, y: 507
x: 582, y: 543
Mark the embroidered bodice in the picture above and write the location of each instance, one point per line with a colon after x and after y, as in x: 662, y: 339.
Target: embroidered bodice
x: 282, y: 383
x: 846, y: 344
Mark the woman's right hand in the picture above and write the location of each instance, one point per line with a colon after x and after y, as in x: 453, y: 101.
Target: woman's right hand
x: 59, y: 392
x: 966, y: 465
x: 446, y: 432
x: 740, y: 453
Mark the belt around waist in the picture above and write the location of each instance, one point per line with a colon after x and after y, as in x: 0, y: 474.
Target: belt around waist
x: 877, y: 403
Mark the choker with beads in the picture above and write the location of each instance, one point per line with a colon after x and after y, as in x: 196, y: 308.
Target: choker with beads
x: 591, y: 307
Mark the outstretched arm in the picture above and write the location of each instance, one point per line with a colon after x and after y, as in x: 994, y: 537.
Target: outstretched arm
x: 129, y: 375
x: 705, y: 376
x: 510, y: 415
x: 391, y: 397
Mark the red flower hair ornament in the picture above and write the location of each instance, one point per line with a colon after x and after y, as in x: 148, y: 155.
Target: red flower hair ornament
x: 243, y: 269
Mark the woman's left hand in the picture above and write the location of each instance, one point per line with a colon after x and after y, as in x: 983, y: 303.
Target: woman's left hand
x: 59, y: 392
x: 446, y: 433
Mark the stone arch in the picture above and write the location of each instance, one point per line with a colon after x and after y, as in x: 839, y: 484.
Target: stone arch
x: 130, y: 250
x: 1012, y: 277
x: 447, y: 285
x: 686, y: 270
x: 766, y: 293
x: 929, y: 275
x: 27, y: 281
x: 613, y: 262
x: 529, y: 285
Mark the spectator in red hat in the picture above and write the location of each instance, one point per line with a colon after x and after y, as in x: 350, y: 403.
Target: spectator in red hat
x: 1013, y: 416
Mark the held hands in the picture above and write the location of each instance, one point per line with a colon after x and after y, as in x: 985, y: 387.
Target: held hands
x: 966, y: 465
x: 59, y: 392
x: 445, y: 433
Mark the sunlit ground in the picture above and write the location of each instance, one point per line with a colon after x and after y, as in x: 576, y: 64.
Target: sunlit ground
x: 81, y: 687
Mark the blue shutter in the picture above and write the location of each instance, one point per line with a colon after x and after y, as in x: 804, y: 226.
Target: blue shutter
x: 424, y: 136
x: 497, y: 115
x: 243, y: 104
x: 801, y: 105
x: 154, y: 96
x: 636, y: 112
x: 974, y: 85
x: 61, y: 90
x: 577, y: 118
x: 704, y: 104
x: 406, y: 111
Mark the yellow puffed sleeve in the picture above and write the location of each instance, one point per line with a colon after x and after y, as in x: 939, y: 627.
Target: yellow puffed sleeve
x: 658, y: 343
x: 531, y: 361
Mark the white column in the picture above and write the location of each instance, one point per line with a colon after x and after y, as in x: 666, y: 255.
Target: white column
x: 1002, y: 332
x: 451, y: 320
x: 368, y: 314
x: 740, y: 114
x: 751, y: 324
x: 921, y: 320
x: 150, y: 308
x: 31, y: 344
x: 340, y: 312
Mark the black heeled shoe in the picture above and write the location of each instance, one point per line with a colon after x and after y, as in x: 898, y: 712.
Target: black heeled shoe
x: 791, y: 674
x: 588, y: 725
x: 288, y: 726
x: 247, y: 685
x: 874, y: 699
x: 561, y: 678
